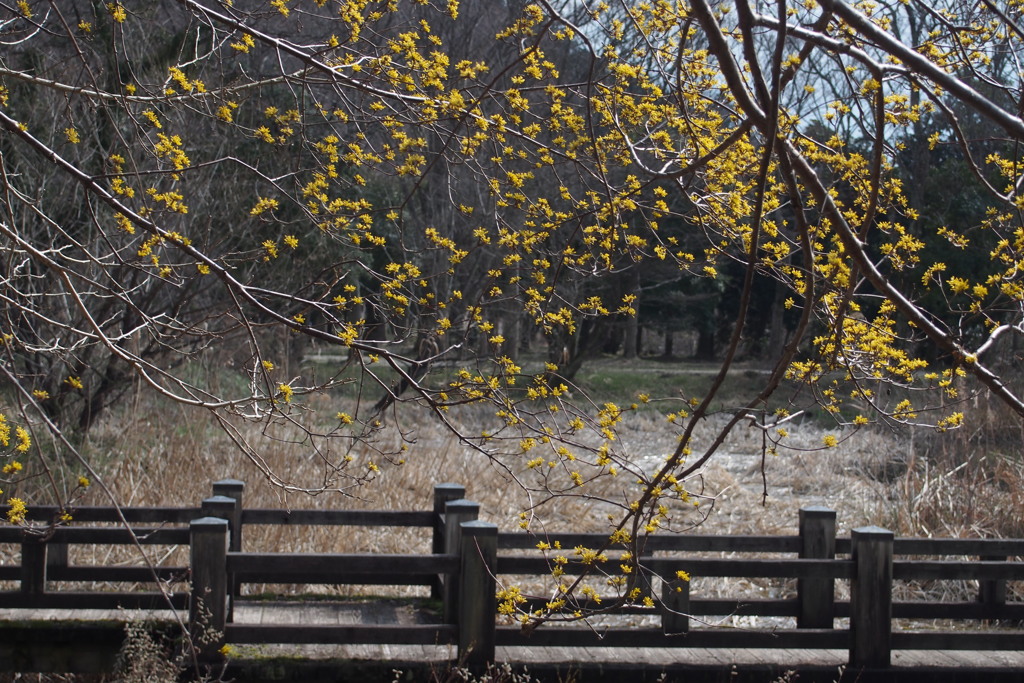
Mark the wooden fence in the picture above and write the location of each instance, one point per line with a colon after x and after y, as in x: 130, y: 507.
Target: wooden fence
x: 468, y: 556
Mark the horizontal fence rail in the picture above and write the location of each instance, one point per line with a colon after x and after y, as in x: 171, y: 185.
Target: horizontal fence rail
x: 469, y: 557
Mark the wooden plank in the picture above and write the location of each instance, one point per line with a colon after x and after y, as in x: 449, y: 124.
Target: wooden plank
x: 795, y: 657
x: 958, y: 640
x: 396, y: 518
x: 115, y: 574
x: 664, y: 543
x: 950, y: 570
x: 760, y: 608
x: 993, y: 657
x: 121, y: 536
x: 947, y: 546
x: 705, y: 607
x: 959, y: 546
x: 250, y: 566
x: 132, y: 515
x: 89, y: 632
x: 248, y: 612
x: 99, y: 600
x: 945, y: 657
x: 334, y: 577
x: 535, y: 604
x: 406, y: 634
x: 702, y: 637
x: 789, y: 568
x: 957, y: 610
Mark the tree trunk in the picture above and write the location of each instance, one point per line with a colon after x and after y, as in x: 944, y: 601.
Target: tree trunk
x: 776, y: 327
x: 705, y: 343
x: 631, y: 343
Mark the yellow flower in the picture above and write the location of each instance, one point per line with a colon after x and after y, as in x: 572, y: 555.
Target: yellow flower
x: 117, y: 12
x: 263, y: 204
x: 246, y: 43
x: 152, y: 118
x: 12, y: 467
x: 17, y: 511
x: 286, y: 392
x: 958, y: 285
x: 829, y: 440
x: 74, y: 383
x: 24, y: 441
x: 84, y: 482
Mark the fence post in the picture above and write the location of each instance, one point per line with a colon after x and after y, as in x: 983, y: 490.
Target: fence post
x: 220, y: 507
x: 232, y: 488
x: 871, y: 598
x: 455, y: 513
x: 817, y: 541
x: 207, y: 614
x: 56, y: 557
x: 992, y: 592
x: 477, y: 608
x: 675, y: 606
x: 33, y: 565
x: 442, y: 494
x: 226, y: 503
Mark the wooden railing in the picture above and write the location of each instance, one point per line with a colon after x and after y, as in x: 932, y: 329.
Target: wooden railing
x: 468, y: 556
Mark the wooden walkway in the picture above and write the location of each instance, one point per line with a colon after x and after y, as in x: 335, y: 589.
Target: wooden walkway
x: 758, y: 643
x: 399, y: 613
x: 320, y: 662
